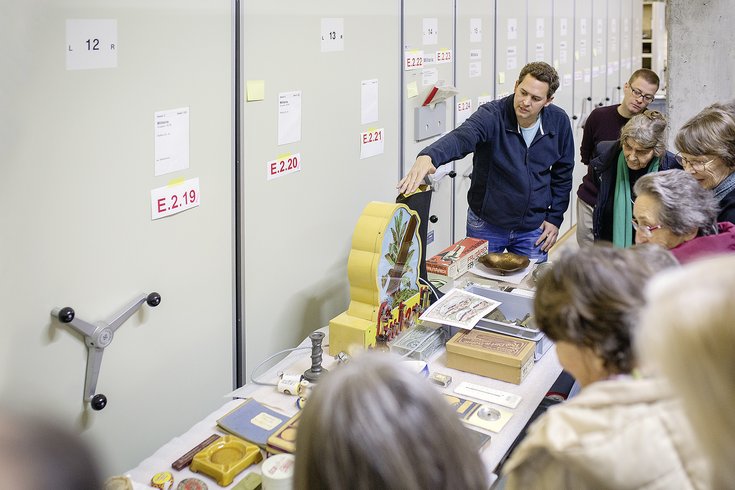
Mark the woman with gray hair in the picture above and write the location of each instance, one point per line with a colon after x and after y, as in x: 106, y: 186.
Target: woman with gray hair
x: 674, y: 211
x: 706, y: 145
x: 375, y: 424
x: 640, y: 150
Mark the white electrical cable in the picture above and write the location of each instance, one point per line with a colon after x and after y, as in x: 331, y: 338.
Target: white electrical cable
x: 284, y: 351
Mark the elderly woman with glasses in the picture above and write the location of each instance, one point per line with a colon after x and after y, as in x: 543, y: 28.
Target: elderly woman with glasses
x: 706, y: 145
x: 674, y: 211
x: 619, y: 164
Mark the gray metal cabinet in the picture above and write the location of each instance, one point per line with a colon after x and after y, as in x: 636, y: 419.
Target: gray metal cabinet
x: 613, y: 89
x: 510, y: 44
x: 563, y: 60
x: 428, y: 27
x: 475, y: 75
x: 599, y: 53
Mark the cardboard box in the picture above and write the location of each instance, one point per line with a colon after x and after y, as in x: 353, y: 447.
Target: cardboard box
x: 492, y: 355
x: 458, y: 258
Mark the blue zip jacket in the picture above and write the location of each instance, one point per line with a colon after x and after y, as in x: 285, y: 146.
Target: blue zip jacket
x: 513, y: 186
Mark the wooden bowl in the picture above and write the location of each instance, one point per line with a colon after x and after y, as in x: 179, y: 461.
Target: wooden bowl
x: 504, y: 263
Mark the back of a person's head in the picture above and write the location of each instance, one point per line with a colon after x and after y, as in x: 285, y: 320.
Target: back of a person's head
x: 375, y: 424
x: 688, y: 331
x: 592, y: 297
x: 37, y: 454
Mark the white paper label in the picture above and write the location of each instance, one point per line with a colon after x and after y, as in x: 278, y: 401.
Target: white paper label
x: 91, y: 43
x: 413, y: 60
x: 475, y: 30
x: 443, y: 56
x: 431, y: 31
x: 333, y: 35
x: 464, y: 110
x: 372, y: 143
x: 286, y: 164
x: 171, y: 133
x: 174, y: 198
x: 475, y: 69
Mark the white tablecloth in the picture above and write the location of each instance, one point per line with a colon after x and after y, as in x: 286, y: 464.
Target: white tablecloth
x: 533, y: 389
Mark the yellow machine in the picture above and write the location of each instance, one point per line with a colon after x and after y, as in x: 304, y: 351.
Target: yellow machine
x: 383, y: 271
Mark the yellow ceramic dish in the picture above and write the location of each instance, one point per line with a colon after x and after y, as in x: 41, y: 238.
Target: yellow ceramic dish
x: 226, y: 458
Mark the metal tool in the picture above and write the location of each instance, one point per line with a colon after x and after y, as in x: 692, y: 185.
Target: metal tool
x: 97, y: 336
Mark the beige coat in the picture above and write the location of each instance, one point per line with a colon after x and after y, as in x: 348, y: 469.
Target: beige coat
x: 616, y: 434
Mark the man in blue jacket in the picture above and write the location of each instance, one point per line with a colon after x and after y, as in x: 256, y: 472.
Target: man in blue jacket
x: 522, y: 165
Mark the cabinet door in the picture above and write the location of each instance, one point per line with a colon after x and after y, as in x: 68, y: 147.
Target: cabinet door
x: 539, y: 32
x: 614, y: 46
x: 637, y: 34
x: 475, y: 33
x: 331, y: 72
x: 510, y: 45
x: 563, y: 59
x: 428, y: 27
x: 582, y: 61
x: 627, y: 39
x: 78, y: 170
x: 599, y: 52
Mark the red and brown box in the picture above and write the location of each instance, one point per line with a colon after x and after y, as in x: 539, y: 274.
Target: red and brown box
x: 491, y: 354
x: 458, y: 258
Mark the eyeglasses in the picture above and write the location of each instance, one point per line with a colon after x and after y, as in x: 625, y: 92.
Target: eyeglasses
x: 693, y: 164
x: 638, y: 94
x: 646, y: 231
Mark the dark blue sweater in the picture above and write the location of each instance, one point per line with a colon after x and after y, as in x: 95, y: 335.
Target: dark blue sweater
x: 513, y: 186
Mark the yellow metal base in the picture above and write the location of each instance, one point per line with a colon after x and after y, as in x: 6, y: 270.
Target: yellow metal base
x: 385, y: 245
x: 346, y: 331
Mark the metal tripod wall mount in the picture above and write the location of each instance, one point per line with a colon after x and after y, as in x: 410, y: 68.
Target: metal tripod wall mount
x: 97, y: 336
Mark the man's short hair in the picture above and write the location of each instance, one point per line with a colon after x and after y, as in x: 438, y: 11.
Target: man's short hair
x: 647, y: 75
x: 543, y: 72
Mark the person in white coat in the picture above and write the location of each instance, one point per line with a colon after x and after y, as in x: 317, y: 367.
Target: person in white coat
x: 622, y: 431
x: 687, y: 332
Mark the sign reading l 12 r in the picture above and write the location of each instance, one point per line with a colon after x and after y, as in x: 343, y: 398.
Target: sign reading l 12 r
x: 174, y: 198
x: 91, y: 43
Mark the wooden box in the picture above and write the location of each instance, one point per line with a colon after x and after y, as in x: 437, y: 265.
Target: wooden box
x: 491, y: 355
x: 458, y: 258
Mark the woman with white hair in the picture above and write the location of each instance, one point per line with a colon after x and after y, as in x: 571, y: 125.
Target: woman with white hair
x: 706, y: 145
x: 672, y: 210
x: 375, y: 424
x: 687, y: 332
x: 640, y: 150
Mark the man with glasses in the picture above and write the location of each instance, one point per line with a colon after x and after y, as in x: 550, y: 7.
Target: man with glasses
x: 604, y: 124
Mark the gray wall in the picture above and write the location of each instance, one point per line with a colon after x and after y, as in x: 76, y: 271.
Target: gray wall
x: 701, y: 68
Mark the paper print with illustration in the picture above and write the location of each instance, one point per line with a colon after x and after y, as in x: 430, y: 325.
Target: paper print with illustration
x: 460, y: 308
